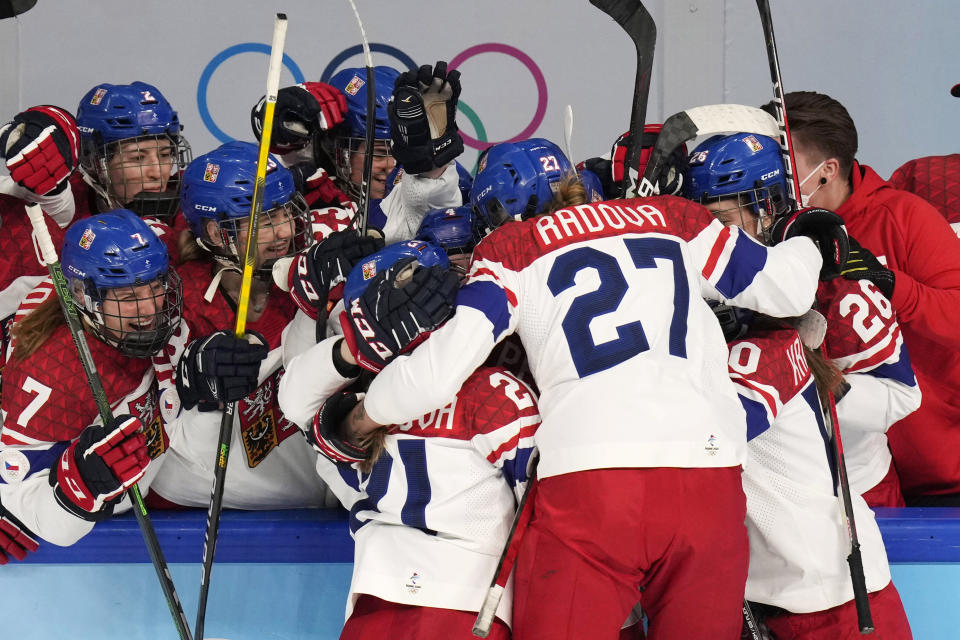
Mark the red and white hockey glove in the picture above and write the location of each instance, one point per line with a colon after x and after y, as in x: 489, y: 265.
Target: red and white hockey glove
x: 317, y: 269
x: 825, y: 228
x: 99, y: 466
x: 301, y: 111
x: 16, y: 541
x: 41, y: 146
x: 326, y: 434
x: 397, y: 311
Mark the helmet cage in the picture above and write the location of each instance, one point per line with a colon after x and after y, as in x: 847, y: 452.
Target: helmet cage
x: 294, y: 215
x: 100, y: 305
x: 344, y: 147
x: 766, y: 203
x: 158, y: 159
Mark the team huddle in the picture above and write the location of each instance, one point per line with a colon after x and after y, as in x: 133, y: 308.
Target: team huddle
x: 665, y: 378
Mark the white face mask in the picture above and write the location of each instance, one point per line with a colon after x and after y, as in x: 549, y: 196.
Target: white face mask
x: 805, y: 197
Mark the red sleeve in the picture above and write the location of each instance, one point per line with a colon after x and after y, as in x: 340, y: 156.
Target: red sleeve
x: 927, y: 291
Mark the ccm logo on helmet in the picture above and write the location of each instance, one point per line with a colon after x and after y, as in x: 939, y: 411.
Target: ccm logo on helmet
x: 773, y: 173
x: 204, y: 207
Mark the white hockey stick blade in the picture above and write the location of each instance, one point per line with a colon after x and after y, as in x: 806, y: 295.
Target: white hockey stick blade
x: 481, y: 627
x: 706, y: 120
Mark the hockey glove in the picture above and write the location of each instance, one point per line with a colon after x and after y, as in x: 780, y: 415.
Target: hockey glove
x: 314, y: 271
x: 326, y: 434
x: 16, y: 541
x: 397, y: 311
x: 219, y: 368
x: 422, y: 113
x: 825, y: 228
x: 99, y: 466
x: 863, y: 265
x: 301, y: 111
x: 40, y: 147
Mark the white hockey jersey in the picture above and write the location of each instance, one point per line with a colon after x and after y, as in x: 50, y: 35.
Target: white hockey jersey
x: 433, y: 515
x: 798, y: 536
x: 607, y: 299
x: 864, y: 342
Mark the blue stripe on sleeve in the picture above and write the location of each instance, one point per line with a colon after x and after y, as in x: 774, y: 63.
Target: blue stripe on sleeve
x: 489, y: 299
x: 746, y: 260
x: 901, y: 370
x: 756, y: 417
x: 515, y: 470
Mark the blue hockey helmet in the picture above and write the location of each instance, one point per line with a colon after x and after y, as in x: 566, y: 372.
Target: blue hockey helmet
x: 456, y: 230
x: 218, y: 186
x: 517, y: 180
x: 592, y: 185
x: 425, y: 253
x: 352, y: 133
x: 747, y: 166
x: 144, y: 174
x: 120, y: 279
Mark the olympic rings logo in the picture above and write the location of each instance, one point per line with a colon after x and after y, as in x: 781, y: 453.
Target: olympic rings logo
x: 480, y: 142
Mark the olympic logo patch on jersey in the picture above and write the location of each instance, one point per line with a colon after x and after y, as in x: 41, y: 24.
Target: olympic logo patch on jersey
x: 211, y: 172
x: 14, y: 466
x: 354, y: 86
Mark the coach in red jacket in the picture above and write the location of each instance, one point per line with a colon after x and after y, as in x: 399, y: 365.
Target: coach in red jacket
x: 914, y: 241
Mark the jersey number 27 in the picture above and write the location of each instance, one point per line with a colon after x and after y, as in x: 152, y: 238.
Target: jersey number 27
x: 589, y: 357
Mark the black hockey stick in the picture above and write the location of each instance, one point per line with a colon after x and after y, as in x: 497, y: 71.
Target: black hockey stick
x: 49, y: 258
x: 634, y: 18
x: 701, y: 121
x: 229, y: 411
x: 750, y: 622
x: 864, y: 617
x: 481, y: 628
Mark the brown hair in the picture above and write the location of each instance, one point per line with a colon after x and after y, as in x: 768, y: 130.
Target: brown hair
x: 825, y: 374
x: 30, y: 333
x: 820, y: 124
x: 570, y: 193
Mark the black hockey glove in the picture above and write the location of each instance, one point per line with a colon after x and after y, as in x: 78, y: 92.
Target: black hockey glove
x: 99, y: 466
x: 397, y: 311
x: 301, y: 111
x: 422, y: 113
x: 16, y: 541
x: 317, y: 269
x: 825, y: 228
x: 40, y: 147
x: 326, y: 434
x: 219, y: 368
x: 863, y: 265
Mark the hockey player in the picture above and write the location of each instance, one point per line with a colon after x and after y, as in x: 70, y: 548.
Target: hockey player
x: 601, y: 293
x: 798, y: 541
x: 273, y: 465
x: 307, y: 117
x: 922, y: 259
x: 740, y: 178
x: 430, y: 504
x: 457, y: 230
x: 63, y: 468
x: 132, y: 149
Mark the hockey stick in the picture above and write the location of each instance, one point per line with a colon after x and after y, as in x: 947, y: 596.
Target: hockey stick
x: 779, y: 105
x: 634, y: 18
x: 701, y: 121
x: 250, y: 258
x: 508, y: 558
x: 854, y: 560
x: 49, y: 258
x: 864, y: 617
x: 568, y: 134
x: 750, y: 622
x: 363, y: 210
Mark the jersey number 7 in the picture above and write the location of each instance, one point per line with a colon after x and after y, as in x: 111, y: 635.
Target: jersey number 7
x: 589, y: 357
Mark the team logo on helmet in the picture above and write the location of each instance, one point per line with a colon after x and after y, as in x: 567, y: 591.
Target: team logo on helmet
x: 354, y: 86
x: 87, y: 239
x: 753, y: 143
x: 211, y: 172
x: 98, y: 95
x: 369, y: 269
